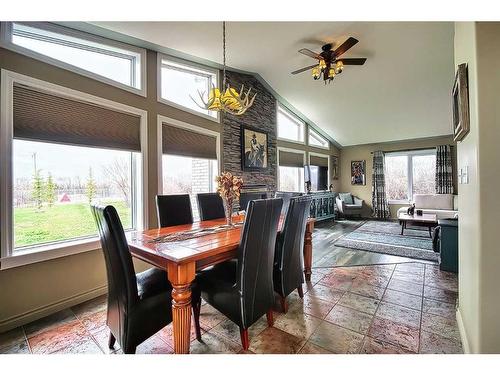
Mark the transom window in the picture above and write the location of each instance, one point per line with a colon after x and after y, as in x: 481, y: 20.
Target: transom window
x: 290, y: 128
x: 99, y: 58
x: 315, y: 139
x: 181, y: 82
x: 409, y: 173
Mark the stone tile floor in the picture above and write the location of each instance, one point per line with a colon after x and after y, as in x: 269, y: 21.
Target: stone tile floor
x: 386, y: 308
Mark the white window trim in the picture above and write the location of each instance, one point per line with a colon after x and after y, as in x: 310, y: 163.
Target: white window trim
x: 191, y: 64
x: 409, y: 155
x: 311, y: 130
x: 6, y: 42
x: 183, y: 125
x: 287, y: 149
x: 292, y: 116
x: 323, y: 156
x: 55, y: 250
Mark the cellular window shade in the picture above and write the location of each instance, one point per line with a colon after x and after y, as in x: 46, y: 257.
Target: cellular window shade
x: 291, y: 159
x: 320, y: 161
x: 39, y: 116
x: 183, y: 142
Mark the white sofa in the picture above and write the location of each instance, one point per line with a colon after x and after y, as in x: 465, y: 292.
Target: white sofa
x: 444, y: 206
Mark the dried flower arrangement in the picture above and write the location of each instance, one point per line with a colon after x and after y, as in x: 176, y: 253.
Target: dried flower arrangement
x: 229, y: 188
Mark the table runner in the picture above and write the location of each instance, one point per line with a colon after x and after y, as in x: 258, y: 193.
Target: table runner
x: 194, y: 233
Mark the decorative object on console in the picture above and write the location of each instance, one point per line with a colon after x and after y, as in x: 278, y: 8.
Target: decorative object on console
x: 358, y: 172
x: 308, y: 187
x: 444, y: 170
x: 253, y: 149
x: 229, y: 101
x: 330, y: 188
x: 460, y: 96
x: 229, y: 187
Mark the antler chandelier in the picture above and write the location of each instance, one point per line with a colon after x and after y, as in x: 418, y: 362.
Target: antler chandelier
x: 230, y: 101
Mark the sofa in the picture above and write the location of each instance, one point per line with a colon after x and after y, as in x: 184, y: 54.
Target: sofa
x: 444, y: 206
x: 348, y: 204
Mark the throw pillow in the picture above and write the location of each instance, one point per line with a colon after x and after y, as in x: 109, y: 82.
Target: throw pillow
x: 346, y: 198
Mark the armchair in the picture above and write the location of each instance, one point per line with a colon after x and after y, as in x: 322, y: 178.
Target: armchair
x: 348, y: 204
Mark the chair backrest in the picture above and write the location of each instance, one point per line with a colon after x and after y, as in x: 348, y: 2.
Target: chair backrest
x: 122, y: 282
x: 286, y: 196
x: 210, y: 206
x: 248, y: 196
x: 288, y: 255
x: 173, y: 210
x: 255, y: 258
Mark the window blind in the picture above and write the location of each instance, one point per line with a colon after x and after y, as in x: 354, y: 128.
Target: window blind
x: 320, y: 161
x: 184, y: 142
x: 291, y: 159
x: 40, y: 116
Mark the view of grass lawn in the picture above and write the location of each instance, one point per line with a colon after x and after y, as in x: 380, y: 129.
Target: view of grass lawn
x: 60, y: 222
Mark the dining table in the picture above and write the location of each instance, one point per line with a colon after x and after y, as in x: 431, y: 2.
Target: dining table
x: 183, y: 250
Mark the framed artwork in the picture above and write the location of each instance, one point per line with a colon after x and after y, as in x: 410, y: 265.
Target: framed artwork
x: 460, y: 98
x: 358, y: 172
x: 335, y: 167
x: 253, y: 149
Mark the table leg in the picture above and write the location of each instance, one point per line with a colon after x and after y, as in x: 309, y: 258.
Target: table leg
x: 181, y: 276
x: 402, y: 226
x: 308, y: 250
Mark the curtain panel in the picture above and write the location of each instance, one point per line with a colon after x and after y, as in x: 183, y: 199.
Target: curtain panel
x: 379, y: 199
x: 444, y: 170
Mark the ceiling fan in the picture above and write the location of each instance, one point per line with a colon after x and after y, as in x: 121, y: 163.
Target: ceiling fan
x: 329, y: 64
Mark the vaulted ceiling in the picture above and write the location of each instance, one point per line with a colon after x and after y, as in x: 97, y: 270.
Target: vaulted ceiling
x: 402, y: 92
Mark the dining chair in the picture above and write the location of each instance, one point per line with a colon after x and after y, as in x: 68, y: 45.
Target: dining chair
x: 210, y: 206
x: 242, y: 288
x: 174, y: 210
x: 139, y: 305
x: 288, y: 259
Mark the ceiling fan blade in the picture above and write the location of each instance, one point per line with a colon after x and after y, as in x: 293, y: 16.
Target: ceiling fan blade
x: 345, y: 46
x: 353, y: 61
x: 310, y: 53
x: 304, y: 69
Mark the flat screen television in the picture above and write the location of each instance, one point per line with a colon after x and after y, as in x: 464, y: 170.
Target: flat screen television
x: 318, y: 177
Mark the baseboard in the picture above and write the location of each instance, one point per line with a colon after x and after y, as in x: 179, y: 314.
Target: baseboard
x: 30, y: 316
x: 463, y: 335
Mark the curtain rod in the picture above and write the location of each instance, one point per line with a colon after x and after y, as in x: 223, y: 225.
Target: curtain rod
x: 408, y: 149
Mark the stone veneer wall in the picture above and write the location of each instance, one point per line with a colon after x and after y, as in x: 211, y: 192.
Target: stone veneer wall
x: 262, y: 115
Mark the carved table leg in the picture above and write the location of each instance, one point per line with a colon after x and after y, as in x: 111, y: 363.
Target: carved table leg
x: 181, y: 276
x: 308, y: 250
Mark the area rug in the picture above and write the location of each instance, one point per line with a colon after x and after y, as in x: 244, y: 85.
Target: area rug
x: 385, y: 237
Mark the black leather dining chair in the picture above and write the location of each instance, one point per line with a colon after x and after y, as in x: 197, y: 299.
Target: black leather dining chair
x: 210, y: 206
x: 174, y: 210
x: 242, y: 289
x: 288, y: 258
x: 249, y: 196
x: 139, y: 305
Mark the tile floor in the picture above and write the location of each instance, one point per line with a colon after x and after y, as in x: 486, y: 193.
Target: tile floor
x: 388, y: 308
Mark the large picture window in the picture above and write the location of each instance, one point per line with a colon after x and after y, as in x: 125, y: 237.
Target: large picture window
x: 290, y: 128
x: 291, y: 170
x: 101, y: 59
x: 181, y: 82
x: 409, y: 173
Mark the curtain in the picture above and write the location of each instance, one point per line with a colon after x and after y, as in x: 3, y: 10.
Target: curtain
x: 444, y: 171
x: 379, y: 200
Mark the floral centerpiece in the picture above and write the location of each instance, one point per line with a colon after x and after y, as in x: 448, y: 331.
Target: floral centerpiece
x: 229, y: 187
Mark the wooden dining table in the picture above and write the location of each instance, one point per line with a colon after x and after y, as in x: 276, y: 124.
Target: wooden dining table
x: 182, y: 258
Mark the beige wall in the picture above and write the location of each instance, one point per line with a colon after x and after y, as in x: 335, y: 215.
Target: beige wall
x: 363, y: 152
x: 477, y: 44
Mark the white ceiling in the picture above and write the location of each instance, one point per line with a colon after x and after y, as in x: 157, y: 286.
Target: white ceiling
x: 402, y: 91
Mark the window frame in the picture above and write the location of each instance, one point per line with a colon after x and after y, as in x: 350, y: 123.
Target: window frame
x: 409, y: 155
x: 323, y: 156
x: 190, y: 67
x: 54, y: 250
x: 294, y: 118
x: 316, y: 134
x: 6, y: 34
x: 183, y: 125
x: 287, y: 149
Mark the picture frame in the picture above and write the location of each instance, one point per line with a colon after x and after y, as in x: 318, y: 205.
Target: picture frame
x: 335, y: 167
x: 358, y: 172
x: 460, y: 103
x: 254, y: 149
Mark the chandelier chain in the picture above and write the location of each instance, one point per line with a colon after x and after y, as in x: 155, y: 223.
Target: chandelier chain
x: 223, y: 54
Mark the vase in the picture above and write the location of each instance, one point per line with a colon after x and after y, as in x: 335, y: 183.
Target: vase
x: 229, y: 212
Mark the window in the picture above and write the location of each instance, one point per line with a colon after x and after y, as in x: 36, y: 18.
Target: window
x: 291, y: 179
x: 101, y: 59
x: 180, y: 84
x: 315, y: 139
x: 409, y: 173
x: 188, y: 175
x: 290, y: 128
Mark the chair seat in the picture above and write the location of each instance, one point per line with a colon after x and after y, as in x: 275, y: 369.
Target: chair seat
x: 218, y: 287
x: 152, y: 282
x: 353, y: 206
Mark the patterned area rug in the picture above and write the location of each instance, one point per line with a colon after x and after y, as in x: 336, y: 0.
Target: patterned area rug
x: 385, y: 237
